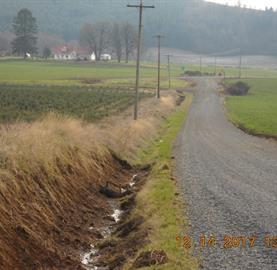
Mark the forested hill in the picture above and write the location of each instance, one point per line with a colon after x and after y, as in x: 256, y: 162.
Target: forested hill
x: 187, y: 24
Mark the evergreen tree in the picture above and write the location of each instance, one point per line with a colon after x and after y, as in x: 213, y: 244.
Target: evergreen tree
x: 25, y: 29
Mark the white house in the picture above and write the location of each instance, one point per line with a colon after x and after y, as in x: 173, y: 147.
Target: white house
x: 92, y: 57
x: 105, y: 57
x: 64, y: 53
x: 67, y: 52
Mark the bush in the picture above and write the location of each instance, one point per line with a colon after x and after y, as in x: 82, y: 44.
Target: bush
x: 238, y: 89
x: 192, y: 73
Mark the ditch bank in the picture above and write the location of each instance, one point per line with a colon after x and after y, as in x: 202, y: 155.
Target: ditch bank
x: 151, y: 216
x: 66, y: 200
x: 37, y: 233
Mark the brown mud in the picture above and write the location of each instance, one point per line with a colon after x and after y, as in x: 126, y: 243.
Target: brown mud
x: 58, y: 241
x: 125, y: 236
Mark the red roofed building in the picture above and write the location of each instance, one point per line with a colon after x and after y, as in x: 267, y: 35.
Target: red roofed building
x: 67, y: 52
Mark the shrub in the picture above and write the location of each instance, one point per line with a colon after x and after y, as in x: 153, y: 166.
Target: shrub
x: 237, y: 89
x: 193, y: 73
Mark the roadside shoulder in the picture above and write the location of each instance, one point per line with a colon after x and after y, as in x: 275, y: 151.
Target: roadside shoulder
x: 159, y: 203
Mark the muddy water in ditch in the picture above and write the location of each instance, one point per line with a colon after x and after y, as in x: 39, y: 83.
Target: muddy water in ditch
x: 89, y: 259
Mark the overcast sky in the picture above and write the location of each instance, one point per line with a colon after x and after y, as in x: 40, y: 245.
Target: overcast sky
x: 259, y: 4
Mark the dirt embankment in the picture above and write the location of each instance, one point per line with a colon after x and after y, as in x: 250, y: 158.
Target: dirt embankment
x: 49, y: 229
x: 51, y: 173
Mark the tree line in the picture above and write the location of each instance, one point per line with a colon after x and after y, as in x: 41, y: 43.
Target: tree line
x: 120, y: 38
x: 100, y: 36
x: 193, y: 25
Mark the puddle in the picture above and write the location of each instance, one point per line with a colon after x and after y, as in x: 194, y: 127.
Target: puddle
x: 133, y: 180
x: 116, y: 215
x: 87, y: 258
x: 132, y: 184
x: 106, y: 231
x: 123, y: 190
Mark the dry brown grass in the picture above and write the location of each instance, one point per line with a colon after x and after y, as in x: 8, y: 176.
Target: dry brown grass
x: 43, y: 168
x: 124, y: 136
x: 46, y: 165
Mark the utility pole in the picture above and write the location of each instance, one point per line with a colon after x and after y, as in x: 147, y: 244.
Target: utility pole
x: 159, y: 64
x: 215, y: 64
x: 200, y: 65
x: 169, y: 71
x: 240, y: 63
x: 141, y: 7
x: 240, y: 33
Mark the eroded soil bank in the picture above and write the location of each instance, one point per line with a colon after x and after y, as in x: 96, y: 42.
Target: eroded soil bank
x: 55, y: 211
x: 59, y: 239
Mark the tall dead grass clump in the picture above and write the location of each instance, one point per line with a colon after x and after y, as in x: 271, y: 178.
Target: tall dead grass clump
x: 124, y: 136
x: 44, y: 167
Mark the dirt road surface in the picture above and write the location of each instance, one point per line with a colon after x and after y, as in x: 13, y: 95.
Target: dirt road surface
x: 229, y: 182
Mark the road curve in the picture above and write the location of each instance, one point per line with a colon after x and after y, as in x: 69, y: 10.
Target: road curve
x: 229, y: 182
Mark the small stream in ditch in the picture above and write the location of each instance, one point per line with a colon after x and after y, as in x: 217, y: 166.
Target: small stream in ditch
x: 89, y: 259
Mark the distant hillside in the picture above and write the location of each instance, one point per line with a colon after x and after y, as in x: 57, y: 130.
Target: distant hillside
x: 187, y: 24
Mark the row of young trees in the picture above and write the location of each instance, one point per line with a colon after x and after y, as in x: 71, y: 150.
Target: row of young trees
x: 120, y: 37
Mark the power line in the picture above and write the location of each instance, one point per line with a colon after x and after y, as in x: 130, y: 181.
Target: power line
x: 141, y: 7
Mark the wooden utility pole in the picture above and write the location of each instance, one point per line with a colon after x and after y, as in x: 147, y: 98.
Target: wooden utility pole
x: 141, y: 7
x: 215, y: 64
x: 159, y: 65
x: 200, y: 65
x: 240, y: 33
x: 240, y: 63
x: 169, y: 71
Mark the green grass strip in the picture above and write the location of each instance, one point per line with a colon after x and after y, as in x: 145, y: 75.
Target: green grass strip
x: 157, y: 201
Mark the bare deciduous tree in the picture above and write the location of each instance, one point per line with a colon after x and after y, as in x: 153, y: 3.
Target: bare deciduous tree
x: 129, y: 37
x: 96, y: 37
x: 46, y: 40
x: 116, y: 41
x: 5, y: 43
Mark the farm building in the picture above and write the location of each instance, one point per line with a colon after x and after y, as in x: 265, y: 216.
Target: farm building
x: 85, y: 54
x: 105, y: 57
x: 66, y: 52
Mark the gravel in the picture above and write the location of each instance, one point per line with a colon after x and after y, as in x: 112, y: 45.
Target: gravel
x: 229, y: 182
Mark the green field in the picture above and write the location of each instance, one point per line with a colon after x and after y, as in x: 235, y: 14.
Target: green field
x: 23, y: 102
x: 234, y: 71
x: 54, y: 72
x: 30, y: 89
x: 257, y: 112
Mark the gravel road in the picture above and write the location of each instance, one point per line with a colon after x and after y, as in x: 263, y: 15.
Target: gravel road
x: 229, y: 182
